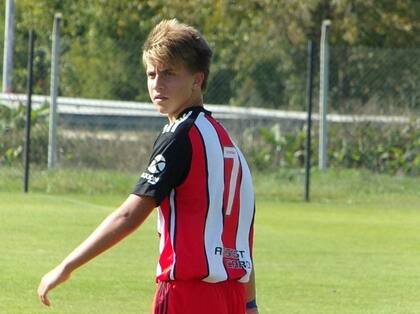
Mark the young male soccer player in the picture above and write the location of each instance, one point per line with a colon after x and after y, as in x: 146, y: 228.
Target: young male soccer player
x: 201, y: 184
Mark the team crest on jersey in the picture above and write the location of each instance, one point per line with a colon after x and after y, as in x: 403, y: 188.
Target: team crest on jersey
x: 157, y: 165
x: 155, y: 168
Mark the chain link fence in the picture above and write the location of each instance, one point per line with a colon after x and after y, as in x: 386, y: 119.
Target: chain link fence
x: 374, y: 82
x: 363, y: 81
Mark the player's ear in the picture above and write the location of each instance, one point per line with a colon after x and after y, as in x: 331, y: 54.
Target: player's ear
x: 198, y: 80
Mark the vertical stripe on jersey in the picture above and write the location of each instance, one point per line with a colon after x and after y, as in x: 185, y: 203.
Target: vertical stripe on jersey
x: 231, y: 201
x: 215, y: 185
x: 166, y: 258
x: 160, y: 228
x: 172, y: 230
x: 191, y: 258
x: 246, y: 217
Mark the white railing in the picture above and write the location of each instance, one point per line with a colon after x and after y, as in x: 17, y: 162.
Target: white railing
x: 100, y: 107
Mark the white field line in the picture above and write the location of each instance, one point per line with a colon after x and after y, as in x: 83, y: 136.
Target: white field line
x: 76, y: 202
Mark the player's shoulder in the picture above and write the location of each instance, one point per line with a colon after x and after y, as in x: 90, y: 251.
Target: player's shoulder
x: 185, y: 121
x: 177, y: 131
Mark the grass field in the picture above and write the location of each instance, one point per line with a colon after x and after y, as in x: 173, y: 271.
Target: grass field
x: 354, y: 249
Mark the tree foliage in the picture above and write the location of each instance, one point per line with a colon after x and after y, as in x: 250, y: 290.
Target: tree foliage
x: 259, y: 45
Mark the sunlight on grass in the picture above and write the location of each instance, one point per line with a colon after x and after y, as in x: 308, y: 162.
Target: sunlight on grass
x: 353, y: 249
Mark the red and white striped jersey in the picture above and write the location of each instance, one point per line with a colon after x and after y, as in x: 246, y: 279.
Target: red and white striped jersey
x: 203, y: 186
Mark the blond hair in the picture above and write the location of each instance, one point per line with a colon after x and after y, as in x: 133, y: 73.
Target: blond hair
x: 172, y: 43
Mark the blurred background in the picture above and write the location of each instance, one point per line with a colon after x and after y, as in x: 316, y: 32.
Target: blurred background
x: 260, y: 61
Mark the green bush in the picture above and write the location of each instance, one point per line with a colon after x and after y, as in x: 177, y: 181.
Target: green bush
x: 388, y: 149
x: 268, y: 148
x: 391, y: 149
x: 12, y: 129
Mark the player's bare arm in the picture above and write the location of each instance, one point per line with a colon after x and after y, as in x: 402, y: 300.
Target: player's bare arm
x: 250, y: 293
x: 119, y: 224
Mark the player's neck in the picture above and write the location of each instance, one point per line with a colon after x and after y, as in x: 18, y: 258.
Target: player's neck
x: 197, y: 102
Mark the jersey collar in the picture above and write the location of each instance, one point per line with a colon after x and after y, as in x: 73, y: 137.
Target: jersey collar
x: 193, y: 109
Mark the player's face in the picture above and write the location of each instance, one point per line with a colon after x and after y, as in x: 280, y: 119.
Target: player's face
x: 172, y: 88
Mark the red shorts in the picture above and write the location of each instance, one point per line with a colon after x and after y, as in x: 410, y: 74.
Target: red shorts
x: 199, y: 297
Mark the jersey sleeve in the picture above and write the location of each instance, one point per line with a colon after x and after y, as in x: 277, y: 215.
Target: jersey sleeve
x: 168, y: 167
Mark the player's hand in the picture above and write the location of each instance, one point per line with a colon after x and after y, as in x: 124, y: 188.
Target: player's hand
x: 51, y: 280
x: 252, y: 311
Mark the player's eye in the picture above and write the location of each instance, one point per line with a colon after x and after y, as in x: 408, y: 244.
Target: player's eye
x: 151, y: 74
x: 169, y: 73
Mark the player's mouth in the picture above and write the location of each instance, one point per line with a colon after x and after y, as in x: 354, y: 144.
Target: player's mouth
x: 159, y: 98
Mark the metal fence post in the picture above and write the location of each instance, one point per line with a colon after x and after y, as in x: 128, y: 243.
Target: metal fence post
x: 9, y: 36
x: 27, y: 153
x: 55, y: 60
x: 309, y: 85
x: 323, y: 95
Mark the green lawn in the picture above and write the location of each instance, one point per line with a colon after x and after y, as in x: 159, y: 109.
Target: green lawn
x: 39, y: 230
x: 354, y: 249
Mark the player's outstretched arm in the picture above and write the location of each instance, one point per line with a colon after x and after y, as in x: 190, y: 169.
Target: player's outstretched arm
x: 123, y: 221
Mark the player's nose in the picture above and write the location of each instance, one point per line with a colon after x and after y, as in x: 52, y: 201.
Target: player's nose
x: 158, y: 82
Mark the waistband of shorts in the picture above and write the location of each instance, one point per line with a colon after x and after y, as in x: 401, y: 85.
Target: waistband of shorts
x: 228, y: 283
